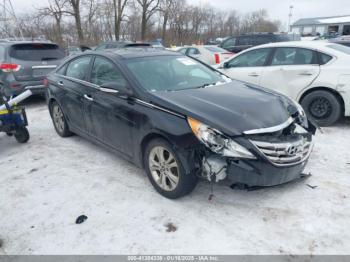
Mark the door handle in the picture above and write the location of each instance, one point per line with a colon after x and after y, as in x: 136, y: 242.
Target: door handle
x: 254, y: 74
x: 87, y: 97
x: 60, y: 83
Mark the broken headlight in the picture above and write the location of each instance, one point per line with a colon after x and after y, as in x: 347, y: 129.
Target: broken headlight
x: 218, y: 142
x: 302, y: 115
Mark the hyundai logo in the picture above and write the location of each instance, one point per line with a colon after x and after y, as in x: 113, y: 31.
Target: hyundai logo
x: 293, y: 150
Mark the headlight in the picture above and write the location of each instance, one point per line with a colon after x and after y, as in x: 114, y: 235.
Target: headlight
x: 302, y: 115
x: 217, y: 142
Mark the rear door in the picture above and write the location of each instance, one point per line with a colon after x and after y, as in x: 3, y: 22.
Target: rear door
x: 77, y: 91
x: 36, y: 60
x: 248, y: 66
x: 291, y: 69
x: 243, y: 42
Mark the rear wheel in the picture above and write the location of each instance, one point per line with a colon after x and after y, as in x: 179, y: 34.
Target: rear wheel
x: 322, y: 107
x: 22, y: 135
x: 166, y: 172
x: 59, y: 121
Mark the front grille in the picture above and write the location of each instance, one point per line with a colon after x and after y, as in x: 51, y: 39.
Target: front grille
x: 285, y: 153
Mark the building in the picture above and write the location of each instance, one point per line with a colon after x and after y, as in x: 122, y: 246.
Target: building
x: 322, y: 26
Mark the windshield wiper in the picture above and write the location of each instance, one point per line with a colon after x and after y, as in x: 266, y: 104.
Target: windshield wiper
x: 206, y: 85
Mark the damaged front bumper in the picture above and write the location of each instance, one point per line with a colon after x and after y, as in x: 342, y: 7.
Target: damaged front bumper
x: 281, y: 157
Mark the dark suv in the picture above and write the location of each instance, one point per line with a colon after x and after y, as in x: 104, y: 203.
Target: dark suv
x: 24, y: 65
x: 239, y: 43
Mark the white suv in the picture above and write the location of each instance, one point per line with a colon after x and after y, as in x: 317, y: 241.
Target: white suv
x: 316, y: 74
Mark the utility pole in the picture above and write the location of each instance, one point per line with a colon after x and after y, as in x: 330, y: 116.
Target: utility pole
x: 8, y: 21
x: 290, y: 18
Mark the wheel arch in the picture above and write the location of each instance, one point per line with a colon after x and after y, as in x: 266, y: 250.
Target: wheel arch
x: 330, y: 90
x: 148, y: 138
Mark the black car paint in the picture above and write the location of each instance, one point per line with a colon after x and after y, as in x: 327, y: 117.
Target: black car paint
x: 125, y: 124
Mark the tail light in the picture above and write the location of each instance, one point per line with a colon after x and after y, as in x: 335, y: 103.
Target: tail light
x: 7, y: 68
x: 217, y: 58
x: 46, y: 82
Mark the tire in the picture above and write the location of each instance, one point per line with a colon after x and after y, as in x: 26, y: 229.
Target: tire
x: 59, y: 120
x: 322, y: 107
x: 169, y: 169
x: 22, y: 135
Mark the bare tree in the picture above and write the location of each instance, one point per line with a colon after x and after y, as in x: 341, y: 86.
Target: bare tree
x: 148, y: 8
x: 119, y: 8
x: 74, y: 10
x: 55, y: 10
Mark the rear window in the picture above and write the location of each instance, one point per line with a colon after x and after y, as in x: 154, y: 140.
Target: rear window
x: 341, y: 48
x: 36, y: 52
x: 215, y: 49
x: 324, y: 59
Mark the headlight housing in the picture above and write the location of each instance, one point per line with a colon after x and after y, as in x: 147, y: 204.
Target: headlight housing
x: 302, y: 115
x: 218, y: 142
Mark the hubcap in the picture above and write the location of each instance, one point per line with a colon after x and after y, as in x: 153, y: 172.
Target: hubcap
x: 320, y: 108
x: 58, y: 118
x: 164, y: 168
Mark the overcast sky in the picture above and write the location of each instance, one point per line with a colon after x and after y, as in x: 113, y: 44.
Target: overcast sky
x: 278, y: 9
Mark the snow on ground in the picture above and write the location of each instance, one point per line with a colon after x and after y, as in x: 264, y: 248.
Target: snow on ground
x: 46, y: 184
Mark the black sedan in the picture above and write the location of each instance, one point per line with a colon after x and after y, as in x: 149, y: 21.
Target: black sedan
x: 179, y: 119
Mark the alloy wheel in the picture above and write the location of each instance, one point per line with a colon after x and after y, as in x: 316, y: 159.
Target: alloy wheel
x: 164, y: 168
x: 58, y: 118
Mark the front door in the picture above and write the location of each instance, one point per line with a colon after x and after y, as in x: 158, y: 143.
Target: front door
x: 110, y: 116
x: 74, y: 89
x: 247, y: 66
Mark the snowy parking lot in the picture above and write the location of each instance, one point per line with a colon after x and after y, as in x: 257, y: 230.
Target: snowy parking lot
x: 46, y: 184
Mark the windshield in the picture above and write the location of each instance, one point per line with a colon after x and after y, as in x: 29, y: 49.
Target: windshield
x: 172, y: 73
x: 341, y: 48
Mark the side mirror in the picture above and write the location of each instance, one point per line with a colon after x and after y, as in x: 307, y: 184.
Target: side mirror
x: 119, y: 88
x: 226, y: 65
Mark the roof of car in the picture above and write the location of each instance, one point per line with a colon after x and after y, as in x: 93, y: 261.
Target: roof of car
x: 134, y: 52
x: 9, y: 43
x: 306, y: 44
x: 321, y: 45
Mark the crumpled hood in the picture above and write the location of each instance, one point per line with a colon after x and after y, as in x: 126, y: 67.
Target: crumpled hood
x: 232, y: 108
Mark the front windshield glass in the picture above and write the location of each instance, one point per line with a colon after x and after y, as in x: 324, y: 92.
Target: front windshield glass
x: 172, y: 73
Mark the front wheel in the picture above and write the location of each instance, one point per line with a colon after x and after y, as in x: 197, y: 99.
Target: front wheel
x: 322, y: 107
x: 166, y: 172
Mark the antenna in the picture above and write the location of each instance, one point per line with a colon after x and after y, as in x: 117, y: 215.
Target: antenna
x: 8, y: 21
x: 290, y: 15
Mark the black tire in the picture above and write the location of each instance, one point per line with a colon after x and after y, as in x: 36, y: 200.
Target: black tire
x: 22, y: 135
x: 59, y: 122
x: 322, y: 107
x: 186, y: 182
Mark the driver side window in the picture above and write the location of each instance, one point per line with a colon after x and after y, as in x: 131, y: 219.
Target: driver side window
x: 252, y: 58
x: 104, y: 71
